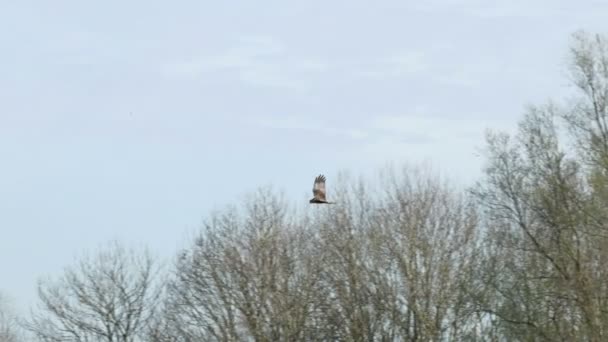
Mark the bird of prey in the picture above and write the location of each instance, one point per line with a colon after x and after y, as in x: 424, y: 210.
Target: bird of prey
x: 318, y: 191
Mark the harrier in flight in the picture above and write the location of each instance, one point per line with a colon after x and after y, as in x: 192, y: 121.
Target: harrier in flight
x: 318, y: 191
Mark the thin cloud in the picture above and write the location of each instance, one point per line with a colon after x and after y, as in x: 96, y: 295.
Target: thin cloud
x: 430, y: 65
x: 451, y: 143
x: 458, y: 79
x: 396, y: 65
x: 421, y: 132
x: 496, y: 9
x: 433, y: 128
x: 309, y: 125
x: 254, y: 60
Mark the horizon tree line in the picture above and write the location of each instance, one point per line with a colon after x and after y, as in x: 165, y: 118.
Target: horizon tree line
x: 405, y: 256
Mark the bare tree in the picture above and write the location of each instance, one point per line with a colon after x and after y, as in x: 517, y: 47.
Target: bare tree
x: 9, y: 329
x: 545, y: 209
x: 397, y: 260
x: 110, y: 296
x: 390, y: 267
x: 415, y: 259
x: 249, y: 275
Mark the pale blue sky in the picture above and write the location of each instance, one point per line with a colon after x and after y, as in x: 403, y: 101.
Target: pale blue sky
x: 132, y: 119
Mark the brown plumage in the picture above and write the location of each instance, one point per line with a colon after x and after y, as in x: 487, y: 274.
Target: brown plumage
x: 318, y: 191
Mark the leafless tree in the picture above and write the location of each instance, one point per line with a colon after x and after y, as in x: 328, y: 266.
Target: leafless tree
x: 110, y: 296
x: 409, y: 257
x: 9, y: 328
x: 249, y: 275
x: 405, y: 259
x: 394, y: 267
x: 397, y: 260
x: 545, y: 210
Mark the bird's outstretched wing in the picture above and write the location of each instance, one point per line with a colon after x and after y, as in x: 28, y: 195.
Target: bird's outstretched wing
x: 318, y: 189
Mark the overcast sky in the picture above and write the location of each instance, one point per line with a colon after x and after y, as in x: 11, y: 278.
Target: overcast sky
x: 131, y: 120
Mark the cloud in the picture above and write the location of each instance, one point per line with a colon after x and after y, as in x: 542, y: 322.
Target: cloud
x: 309, y: 125
x: 253, y: 60
x: 450, y: 143
x: 496, y: 9
x: 245, y: 55
x: 427, y: 66
x: 434, y: 128
x: 458, y: 79
x: 421, y: 128
x: 396, y: 65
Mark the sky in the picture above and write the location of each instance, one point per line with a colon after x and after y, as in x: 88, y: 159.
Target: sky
x: 131, y: 120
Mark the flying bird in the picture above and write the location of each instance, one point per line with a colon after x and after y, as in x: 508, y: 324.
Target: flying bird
x: 318, y: 191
